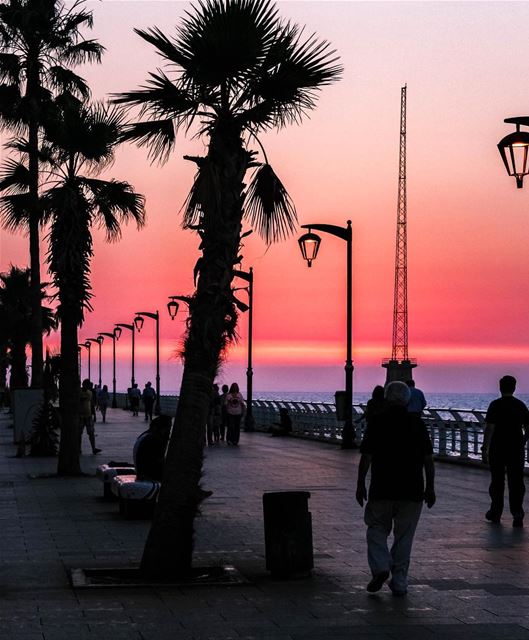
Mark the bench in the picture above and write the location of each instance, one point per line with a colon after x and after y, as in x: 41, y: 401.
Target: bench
x: 137, y: 498
x: 107, y: 472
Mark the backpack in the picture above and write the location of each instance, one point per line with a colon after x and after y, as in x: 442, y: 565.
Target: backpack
x: 234, y: 403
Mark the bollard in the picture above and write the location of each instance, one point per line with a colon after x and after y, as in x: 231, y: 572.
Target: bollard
x: 288, y: 533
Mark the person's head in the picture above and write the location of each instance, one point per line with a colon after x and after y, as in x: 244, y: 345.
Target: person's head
x: 135, y: 385
x: 234, y: 388
x: 378, y: 392
x: 148, y: 384
x: 86, y: 384
x: 105, y: 387
x: 397, y: 394
x: 225, y: 388
x: 507, y: 385
x: 410, y: 383
x: 161, y: 427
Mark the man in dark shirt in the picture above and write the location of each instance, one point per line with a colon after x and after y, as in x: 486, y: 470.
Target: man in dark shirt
x: 504, y: 441
x: 397, y: 448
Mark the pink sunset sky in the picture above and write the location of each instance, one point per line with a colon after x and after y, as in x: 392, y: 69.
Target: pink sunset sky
x: 467, y: 68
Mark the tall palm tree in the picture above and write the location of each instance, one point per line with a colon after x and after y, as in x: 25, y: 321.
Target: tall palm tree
x: 234, y: 69
x: 82, y: 139
x: 39, y: 41
x: 15, y: 318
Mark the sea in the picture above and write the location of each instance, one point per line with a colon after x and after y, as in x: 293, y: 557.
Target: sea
x: 476, y: 401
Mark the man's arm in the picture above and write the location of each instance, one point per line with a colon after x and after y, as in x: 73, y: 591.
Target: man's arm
x: 487, y: 436
x: 429, y: 472
x: 363, y: 468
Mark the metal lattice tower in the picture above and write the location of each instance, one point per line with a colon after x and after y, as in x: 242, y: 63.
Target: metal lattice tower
x: 399, y: 365
x: 399, y: 349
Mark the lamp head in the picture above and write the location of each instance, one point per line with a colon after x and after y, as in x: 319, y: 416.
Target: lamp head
x: 117, y: 332
x: 138, y: 323
x: 309, y: 243
x: 172, y: 308
x: 514, y: 151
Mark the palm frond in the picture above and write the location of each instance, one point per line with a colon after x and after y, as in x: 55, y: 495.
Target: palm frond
x: 160, y: 97
x: 159, y: 136
x: 221, y: 41
x: 14, y: 211
x: 285, y: 87
x: 165, y: 48
x: 10, y: 68
x: 14, y: 177
x: 87, y: 51
x: 268, y: 206
x: 11, y: 108
x: 65, y: 80
x: 113, y: 203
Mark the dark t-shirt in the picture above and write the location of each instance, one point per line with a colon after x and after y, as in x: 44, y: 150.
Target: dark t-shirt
x: 149, y: 455
x: 509, y: 416
x: 397, y: 443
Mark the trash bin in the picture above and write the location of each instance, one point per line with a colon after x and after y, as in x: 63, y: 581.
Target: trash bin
x: 340, y: 401
x: 288, y: 533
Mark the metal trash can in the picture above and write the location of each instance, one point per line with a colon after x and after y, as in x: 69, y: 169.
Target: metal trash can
x: 288, y: 533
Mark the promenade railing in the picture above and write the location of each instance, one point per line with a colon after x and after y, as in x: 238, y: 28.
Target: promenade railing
x: 457, y: 434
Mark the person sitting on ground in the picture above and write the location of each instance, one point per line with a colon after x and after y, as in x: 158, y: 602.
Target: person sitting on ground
x: 284, y: 426
x: 149, y: 449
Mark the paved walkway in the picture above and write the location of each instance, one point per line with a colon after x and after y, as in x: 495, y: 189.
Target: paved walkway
x: 470, y: 578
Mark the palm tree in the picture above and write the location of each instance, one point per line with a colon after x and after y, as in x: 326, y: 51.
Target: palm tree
x: 39, y: 41
x: 234, y: 69
x: 82, y: 139
x: 15, y: 318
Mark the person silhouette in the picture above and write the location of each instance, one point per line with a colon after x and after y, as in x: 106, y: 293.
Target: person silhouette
x: 397, y: 448
x: 504, y: 440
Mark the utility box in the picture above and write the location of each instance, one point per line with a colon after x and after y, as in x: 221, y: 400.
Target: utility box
x: 340, y: 401
x: 288, y: 533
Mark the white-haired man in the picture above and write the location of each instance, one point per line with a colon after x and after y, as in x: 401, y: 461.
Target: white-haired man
x: 397, y: 448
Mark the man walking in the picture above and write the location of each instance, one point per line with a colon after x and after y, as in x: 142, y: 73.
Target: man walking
x: 397, y: 448
x: 148, y: 397
x: 504, y: 441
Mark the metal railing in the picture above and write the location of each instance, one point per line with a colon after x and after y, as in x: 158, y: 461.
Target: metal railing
x: 456, y: 434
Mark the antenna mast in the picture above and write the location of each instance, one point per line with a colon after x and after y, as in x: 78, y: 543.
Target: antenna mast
x: 399, y: 366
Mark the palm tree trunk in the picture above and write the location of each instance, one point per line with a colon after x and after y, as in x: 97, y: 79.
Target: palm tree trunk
x: 69, y: 385
x: 37, y: 359
x: 19, y: 376
x: 169, y: 547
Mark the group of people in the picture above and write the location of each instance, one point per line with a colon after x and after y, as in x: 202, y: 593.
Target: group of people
x: 148, y: 396
x: 397, y: 450
x: 227, y: 410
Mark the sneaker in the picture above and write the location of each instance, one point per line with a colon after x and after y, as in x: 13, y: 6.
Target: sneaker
x: 96, y: 451
x: 517, y: 521
x: 377, y: 581
x: 398, y: 593
x: 492, y: 517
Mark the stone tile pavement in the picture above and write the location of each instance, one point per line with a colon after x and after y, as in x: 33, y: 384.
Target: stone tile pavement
x: 470, y: 579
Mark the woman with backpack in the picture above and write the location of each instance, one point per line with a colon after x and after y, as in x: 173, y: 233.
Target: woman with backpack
x: 235, y: 409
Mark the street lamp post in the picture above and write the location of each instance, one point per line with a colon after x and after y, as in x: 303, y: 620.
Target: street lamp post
x: 514, y: 150
x: 119, y: 328
x: 249, y: 423
x: 87, y: 345
x: 112, y: 336
x: 309, y: 244
x: 138, y: 322
x: 79, y: 359
x: 99, y: 341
